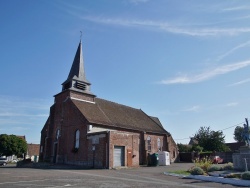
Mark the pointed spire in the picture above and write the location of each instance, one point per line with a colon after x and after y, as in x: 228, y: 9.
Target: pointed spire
x: 76, y: 79
x: 77, y: 69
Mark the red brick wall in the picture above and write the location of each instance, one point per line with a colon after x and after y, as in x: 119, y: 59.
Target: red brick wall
x: 71, y: 122
x: 98, y: 153
x: 154, y: 142
x: 173, y: 150
x: 65, y: 116
x: 154, y: 145
x: 128, y: 139
x: 82, y: 96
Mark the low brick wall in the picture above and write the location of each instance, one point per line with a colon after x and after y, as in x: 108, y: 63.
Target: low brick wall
x: 226, y: 156
x: 187, y: 156
x: 190, y: 156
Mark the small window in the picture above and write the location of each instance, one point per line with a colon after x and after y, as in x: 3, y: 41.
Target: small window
x: 149, y: 143
x: 174, y: 154
x: 77, y: 139
x: 159, y: 144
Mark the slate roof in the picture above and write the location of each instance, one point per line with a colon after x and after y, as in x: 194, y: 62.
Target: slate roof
x: 77, y: 68
x: 116, y: 115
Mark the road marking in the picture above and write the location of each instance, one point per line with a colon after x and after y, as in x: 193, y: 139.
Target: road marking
x: 22, y: 181
x: 150, y: 180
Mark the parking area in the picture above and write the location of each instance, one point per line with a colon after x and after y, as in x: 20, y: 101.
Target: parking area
x: 65, y: 176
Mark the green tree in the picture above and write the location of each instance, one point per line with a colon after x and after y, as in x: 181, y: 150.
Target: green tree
x: 12, y: 145
x: 197, y: 148
x: 238, y: 134
x: 211, y: 140
x: 184, y: 148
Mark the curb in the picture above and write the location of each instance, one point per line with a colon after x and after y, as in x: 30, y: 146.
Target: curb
x: 232, y: 181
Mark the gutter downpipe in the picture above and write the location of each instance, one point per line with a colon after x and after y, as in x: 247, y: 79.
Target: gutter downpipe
x: 107, y: 150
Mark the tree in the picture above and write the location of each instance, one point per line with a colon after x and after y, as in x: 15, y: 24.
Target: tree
x: 238, y: 134
x: 197, y: 148
x: 211, y: 140
x: 12, y: 145
x: 184, y: 148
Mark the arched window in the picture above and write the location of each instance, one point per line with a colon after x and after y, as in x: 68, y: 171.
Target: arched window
x: 77, y: 139
x: 149, y: 143
x: 57, y: 133
x: 159, y: 144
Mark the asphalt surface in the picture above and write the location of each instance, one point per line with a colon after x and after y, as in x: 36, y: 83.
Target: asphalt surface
x: 68, y: 176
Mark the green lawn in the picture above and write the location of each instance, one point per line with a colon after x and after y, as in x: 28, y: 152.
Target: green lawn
x: 180, y: 172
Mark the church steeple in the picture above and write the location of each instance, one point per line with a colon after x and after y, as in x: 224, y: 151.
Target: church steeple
x: 77, y: 79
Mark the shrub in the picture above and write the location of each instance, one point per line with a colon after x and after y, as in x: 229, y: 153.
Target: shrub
x: 203, y: 163
x: 246, y: 175
x: 228, y: 166
x: 205, y: 154
x: 233, y: 175
x: 197, y: 171
x: 214, y: 168
x: 197, y: 148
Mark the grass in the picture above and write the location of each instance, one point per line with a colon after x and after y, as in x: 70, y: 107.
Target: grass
x: 229, y: 172
x: 180, y: 172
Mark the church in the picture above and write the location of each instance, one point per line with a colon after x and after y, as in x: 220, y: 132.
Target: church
x: 85, y: 130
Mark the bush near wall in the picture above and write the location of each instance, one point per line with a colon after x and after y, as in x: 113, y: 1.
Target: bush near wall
x: 246, y: 175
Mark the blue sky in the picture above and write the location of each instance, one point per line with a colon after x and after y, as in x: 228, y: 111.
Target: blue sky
x: 186, y: 62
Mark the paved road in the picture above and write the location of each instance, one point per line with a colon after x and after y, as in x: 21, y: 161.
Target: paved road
x: 135, y: 177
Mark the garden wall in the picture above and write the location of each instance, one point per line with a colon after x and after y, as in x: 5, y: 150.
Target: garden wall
x: 190, y: 156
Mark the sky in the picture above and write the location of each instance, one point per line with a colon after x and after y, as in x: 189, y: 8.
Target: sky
x: 186, y: 62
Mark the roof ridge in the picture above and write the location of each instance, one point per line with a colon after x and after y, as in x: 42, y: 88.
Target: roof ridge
x: 159, y: 123
x: 104, y: 113
x: 118, y: 103
x: 150, y: 117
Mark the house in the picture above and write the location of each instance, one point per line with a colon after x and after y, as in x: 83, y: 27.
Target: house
x: 85, y: 130
x: 33, y: 152
x: 22, y: 137
x: 193, y: 141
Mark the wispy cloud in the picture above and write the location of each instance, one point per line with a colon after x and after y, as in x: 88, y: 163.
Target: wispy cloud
x: 162, y: 26
x: 195, y: 108
x: 207, y: 74
x: 15, y: 111
x: 138, y: 1
x: 240, y: 82
x: 9, y: 114
x: 239, y: 8
x: 245, y: 44
x: 17, y: 103
x: 18, y: 130
x: 232, y: 104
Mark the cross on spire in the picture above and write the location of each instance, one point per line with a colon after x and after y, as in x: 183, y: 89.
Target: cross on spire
x: 80, y: 35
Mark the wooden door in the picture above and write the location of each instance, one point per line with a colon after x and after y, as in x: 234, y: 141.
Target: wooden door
x: 129, y: 157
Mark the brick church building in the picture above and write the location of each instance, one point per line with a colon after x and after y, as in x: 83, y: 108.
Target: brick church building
x: 85, y: 130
